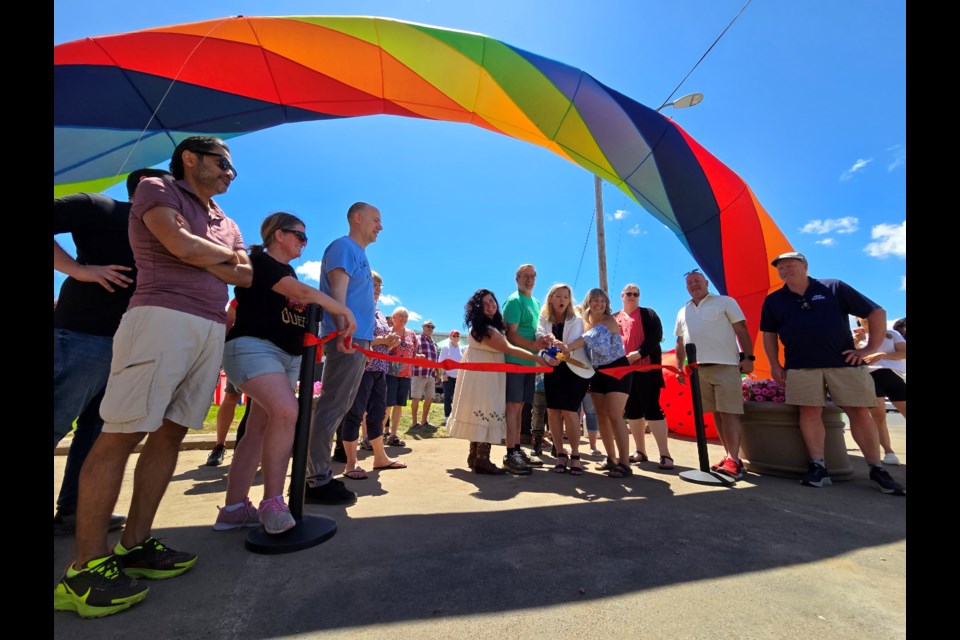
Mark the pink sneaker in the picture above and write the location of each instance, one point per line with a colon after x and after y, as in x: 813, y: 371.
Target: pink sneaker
x: 245, y: 517
x: 716, y: 467
x: 275, y: 516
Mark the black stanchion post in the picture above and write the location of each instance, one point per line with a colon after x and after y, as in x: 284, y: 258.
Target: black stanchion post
x: 704, y: 475
x: 310, y: 530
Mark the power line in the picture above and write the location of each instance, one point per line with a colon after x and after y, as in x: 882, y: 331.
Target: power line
x: 584, y: 252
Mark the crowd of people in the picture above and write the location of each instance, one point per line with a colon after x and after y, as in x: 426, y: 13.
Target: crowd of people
x: 142, y: 365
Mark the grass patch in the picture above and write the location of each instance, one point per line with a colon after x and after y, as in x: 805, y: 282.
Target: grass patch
x: 436, y: 417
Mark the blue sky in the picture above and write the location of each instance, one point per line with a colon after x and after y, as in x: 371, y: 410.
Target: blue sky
x: 805, y: 101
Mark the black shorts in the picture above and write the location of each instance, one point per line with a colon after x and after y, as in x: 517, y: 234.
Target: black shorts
x: 644, y: 400
x: 889, y: 385
x: 564, y: 389
x: 602, y: 383
x: 398, y: 391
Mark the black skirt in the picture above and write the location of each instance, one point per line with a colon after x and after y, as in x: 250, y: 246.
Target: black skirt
x: 564, y: 389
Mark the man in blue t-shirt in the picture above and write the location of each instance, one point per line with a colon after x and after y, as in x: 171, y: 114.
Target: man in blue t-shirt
x: 344, y: 275
x: 811, y: 318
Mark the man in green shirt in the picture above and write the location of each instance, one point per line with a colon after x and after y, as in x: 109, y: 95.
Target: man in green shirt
x: 521, y: 312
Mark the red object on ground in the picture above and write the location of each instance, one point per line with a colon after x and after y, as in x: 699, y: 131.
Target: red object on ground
x: 678, y: 405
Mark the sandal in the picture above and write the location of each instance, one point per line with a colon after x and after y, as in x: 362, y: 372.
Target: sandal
x: 620, y: 471
x: 560, y: 467
x: 664, y: 464
x: 355, y: 474
x: 606, y: 465
x: 394, y: 441
x: 639, y: 456
x: 575, y: 470
x: 365, y: 445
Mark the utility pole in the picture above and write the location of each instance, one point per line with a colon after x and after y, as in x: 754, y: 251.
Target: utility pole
x: 601, y: 243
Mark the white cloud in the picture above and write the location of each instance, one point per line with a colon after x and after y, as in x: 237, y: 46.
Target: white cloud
x: 620, y: 214
x: 857, y: 166
x: 848, y: 224
x: 899, y: 157
x: 634, y: 230
x: 310, y: 270
x: 388, y: 300
x: 903, y: 283
x: 414, y: 317
x: 891, y: 240
x: 827, y: 242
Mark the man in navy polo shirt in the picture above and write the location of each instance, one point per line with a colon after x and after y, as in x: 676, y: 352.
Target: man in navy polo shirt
x: 811, y: 318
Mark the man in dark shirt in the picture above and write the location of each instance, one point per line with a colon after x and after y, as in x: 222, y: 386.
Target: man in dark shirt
x: 92, y: 299
x: 811, y: 318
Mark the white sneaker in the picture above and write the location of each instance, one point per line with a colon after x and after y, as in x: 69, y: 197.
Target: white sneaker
x: 275, y: 516
x: 891, y: 459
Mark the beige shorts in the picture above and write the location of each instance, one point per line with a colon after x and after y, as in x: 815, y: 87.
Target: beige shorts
x: 422, y: 387
x: 721, y: 388
x: 166, y: 365
x: 848, y: 386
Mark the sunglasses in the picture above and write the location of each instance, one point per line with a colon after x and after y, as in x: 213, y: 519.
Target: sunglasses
x: 632, y: 294
x: 223, y: 163
x: 301, y: 236
x: 804, y: 305
x: 692, y: 271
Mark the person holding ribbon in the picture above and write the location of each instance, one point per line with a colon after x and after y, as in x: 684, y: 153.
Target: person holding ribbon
x: 479, y: 402
x: 567, y: 385
x: 262, y: 358
x: 604, y: 347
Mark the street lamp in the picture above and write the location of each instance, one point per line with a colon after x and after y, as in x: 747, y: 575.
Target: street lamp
x: 689, y: 100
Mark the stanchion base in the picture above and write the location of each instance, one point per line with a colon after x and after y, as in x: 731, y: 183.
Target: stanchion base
x: 309, y: 532
x: 707, y: 477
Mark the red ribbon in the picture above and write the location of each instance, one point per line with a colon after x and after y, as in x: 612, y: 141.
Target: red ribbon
x: 615, y: 372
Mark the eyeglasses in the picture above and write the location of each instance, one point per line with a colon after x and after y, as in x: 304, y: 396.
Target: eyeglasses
x: 223, y: 163
x: 301, y: 236
x: 632, y: 294
x: 692, y: 271
x: 804, y: 305
x: 528, y: 276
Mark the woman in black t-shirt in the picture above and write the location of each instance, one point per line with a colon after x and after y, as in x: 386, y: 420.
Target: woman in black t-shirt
x: 262, y: 359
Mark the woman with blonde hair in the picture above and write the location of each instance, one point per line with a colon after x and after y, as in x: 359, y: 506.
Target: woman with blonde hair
x: 888, y: 368
x: 565, y: 386
x: 604, y: 347
x: 262, y: 359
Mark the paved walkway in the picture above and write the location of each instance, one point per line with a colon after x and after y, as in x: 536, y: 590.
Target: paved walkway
x: 433, y: 551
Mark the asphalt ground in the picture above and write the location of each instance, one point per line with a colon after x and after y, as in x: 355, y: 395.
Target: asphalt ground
x: 434, y: 551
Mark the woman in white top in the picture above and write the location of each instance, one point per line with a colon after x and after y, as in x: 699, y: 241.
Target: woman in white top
x: 888, y: 368
x: 565, y: 386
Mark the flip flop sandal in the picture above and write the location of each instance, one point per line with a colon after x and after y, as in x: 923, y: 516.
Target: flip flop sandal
x: 355, y: 474
x: 664, y: 464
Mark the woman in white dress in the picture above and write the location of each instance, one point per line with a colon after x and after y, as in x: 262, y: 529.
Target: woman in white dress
x: 479, y: 402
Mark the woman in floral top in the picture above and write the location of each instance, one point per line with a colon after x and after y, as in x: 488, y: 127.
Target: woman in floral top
x: 601, y: 339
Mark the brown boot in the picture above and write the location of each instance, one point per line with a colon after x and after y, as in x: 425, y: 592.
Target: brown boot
x: 472, y: 456
x: 483, y: 464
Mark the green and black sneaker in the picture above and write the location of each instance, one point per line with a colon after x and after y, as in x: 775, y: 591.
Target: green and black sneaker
x: 99, y: 589
x: 153, y: 560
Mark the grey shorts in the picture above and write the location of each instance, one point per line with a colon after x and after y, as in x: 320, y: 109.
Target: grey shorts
x: 520, y: 387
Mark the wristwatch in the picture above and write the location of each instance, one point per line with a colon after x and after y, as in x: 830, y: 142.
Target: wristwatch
x: 746, y: 357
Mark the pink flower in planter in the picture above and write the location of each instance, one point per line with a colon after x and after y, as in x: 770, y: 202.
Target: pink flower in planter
x: 766, y: 390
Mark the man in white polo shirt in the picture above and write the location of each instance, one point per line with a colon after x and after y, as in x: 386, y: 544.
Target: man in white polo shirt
x: 716, y: 324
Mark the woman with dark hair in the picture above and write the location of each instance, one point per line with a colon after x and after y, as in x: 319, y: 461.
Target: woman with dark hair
x: 601, y: 339
x: 565, y: 386
x: 262, y: 359
x: 479, y: 402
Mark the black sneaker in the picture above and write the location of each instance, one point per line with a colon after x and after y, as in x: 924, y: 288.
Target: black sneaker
x: 334, y: 492
x: 515, y: 464
x: 816, y: 476
x: 65, y: 524
x: 530, y: 462
x: 339, y: 454
x: 215, y: 459
x: 886, y: 482
x: 99, y: 589
x: 154, y: 560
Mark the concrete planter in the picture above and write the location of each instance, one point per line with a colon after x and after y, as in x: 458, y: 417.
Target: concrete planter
x: 772, y: 443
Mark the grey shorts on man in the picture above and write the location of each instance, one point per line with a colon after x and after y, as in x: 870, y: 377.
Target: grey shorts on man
x: 341, y: 379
